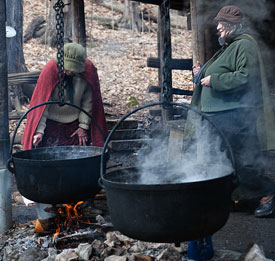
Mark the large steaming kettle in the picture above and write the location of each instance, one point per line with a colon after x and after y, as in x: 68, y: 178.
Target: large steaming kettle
x: 55, y: 175
x: 166, y: 212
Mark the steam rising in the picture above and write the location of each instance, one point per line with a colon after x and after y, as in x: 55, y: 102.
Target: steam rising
x: 200, y: 155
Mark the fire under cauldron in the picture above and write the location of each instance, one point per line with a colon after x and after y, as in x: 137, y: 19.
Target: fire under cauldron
x: 56, y: 175
x: 166, y: 213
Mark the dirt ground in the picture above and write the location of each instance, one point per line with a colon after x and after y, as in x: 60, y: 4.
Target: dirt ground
x: 242, y: 230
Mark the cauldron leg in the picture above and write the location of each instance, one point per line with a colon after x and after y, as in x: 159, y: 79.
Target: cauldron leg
x: 201, y: 249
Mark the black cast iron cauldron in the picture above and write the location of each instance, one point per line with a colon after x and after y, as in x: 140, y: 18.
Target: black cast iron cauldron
x: 59, y: 174
x: 166, y: 213
x: 56, y: 175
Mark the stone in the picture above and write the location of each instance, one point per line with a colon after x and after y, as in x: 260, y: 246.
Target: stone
x: 84, y: 251
x: 169, y: 254
x: 115, y: 258
x: 256, y: 253
x: 67, y: 255
x: 227, y: 254
x: 33, y: 253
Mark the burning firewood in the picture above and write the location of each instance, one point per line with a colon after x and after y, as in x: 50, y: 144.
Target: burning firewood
x: 73, y: 240
x: 45, y: 226
x: 68, y: 217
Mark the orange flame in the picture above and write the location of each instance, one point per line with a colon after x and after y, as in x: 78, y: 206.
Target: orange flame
x: 71, y: 214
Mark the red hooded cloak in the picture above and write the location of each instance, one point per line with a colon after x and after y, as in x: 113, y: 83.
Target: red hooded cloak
x: 47, y: 81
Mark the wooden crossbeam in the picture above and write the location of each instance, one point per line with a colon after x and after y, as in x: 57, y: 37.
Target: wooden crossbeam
x: 174, y: 64
x: 156, y: 89
x: 23, y: 78
x: 176, y: 111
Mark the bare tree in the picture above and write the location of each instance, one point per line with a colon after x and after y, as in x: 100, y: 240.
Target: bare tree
x: 131, y: 17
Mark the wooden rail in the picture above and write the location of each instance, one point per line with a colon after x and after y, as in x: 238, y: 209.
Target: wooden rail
x: 23, y: 78
x: 156, y: 89
x: 174, y: 64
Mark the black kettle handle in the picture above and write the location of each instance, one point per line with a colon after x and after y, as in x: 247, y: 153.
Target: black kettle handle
x: 164, y: 104
x: 10, y: 160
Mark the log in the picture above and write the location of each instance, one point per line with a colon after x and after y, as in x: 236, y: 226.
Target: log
x: 23, y: 78
x: 128, y: 145
x: 177, y: 21
x: 77, y: 238
x: 35, y: 29
x: 157, y: 89
x: 174, y: 64
x: 128, y: 134
x: 127, y: 124
x: 176, y: 111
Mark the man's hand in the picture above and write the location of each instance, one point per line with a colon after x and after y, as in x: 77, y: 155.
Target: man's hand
x: 82, y: 136
x: 37, y: 138
x: 206, y: 81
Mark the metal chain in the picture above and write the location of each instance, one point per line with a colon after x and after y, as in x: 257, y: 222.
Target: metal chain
x: 58, y: 7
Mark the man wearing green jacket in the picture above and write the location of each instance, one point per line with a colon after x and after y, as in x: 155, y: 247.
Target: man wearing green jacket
x: 231, y: 89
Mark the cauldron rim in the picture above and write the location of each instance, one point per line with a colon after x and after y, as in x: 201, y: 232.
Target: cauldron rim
x: 17, y: 155
x: 168, y: 186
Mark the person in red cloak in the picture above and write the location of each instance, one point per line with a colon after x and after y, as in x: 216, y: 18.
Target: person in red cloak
x: 55, y: 125
x: 66, y: 129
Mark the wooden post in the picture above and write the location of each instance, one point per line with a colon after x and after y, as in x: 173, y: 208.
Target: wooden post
x: 5, y: 179
x: 78, y: 20
x: 165, y: 54
x: 197, y: 22
x: 204, y: 38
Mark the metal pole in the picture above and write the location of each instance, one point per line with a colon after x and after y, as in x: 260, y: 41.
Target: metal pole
x: 5, y: 176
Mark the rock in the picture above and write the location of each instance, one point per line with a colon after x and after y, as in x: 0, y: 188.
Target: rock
x: 100, y: 219
x: 169, y: 254
x: 111, y: 239
x: 67, y: 255
x: 33, y: 253
x: 227, y: 254
x: 256, y: 253
x: 52, y: 251
x: 115, y: 258
x: 111, y: 251
x: 142, y: 258
x: 98, y: 247
x: 49, y: 258
x: 84, y: 251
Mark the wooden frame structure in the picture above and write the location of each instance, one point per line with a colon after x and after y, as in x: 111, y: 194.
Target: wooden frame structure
x: 204, y: 39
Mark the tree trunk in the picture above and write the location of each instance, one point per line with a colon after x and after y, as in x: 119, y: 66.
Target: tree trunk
x: 131, y: 18
x: 78, y: 22
x: 16, y: 61
x: 74, y: 23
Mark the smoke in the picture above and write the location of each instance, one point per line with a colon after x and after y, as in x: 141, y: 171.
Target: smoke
x: 195, y: 155
x: 65, y: 153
